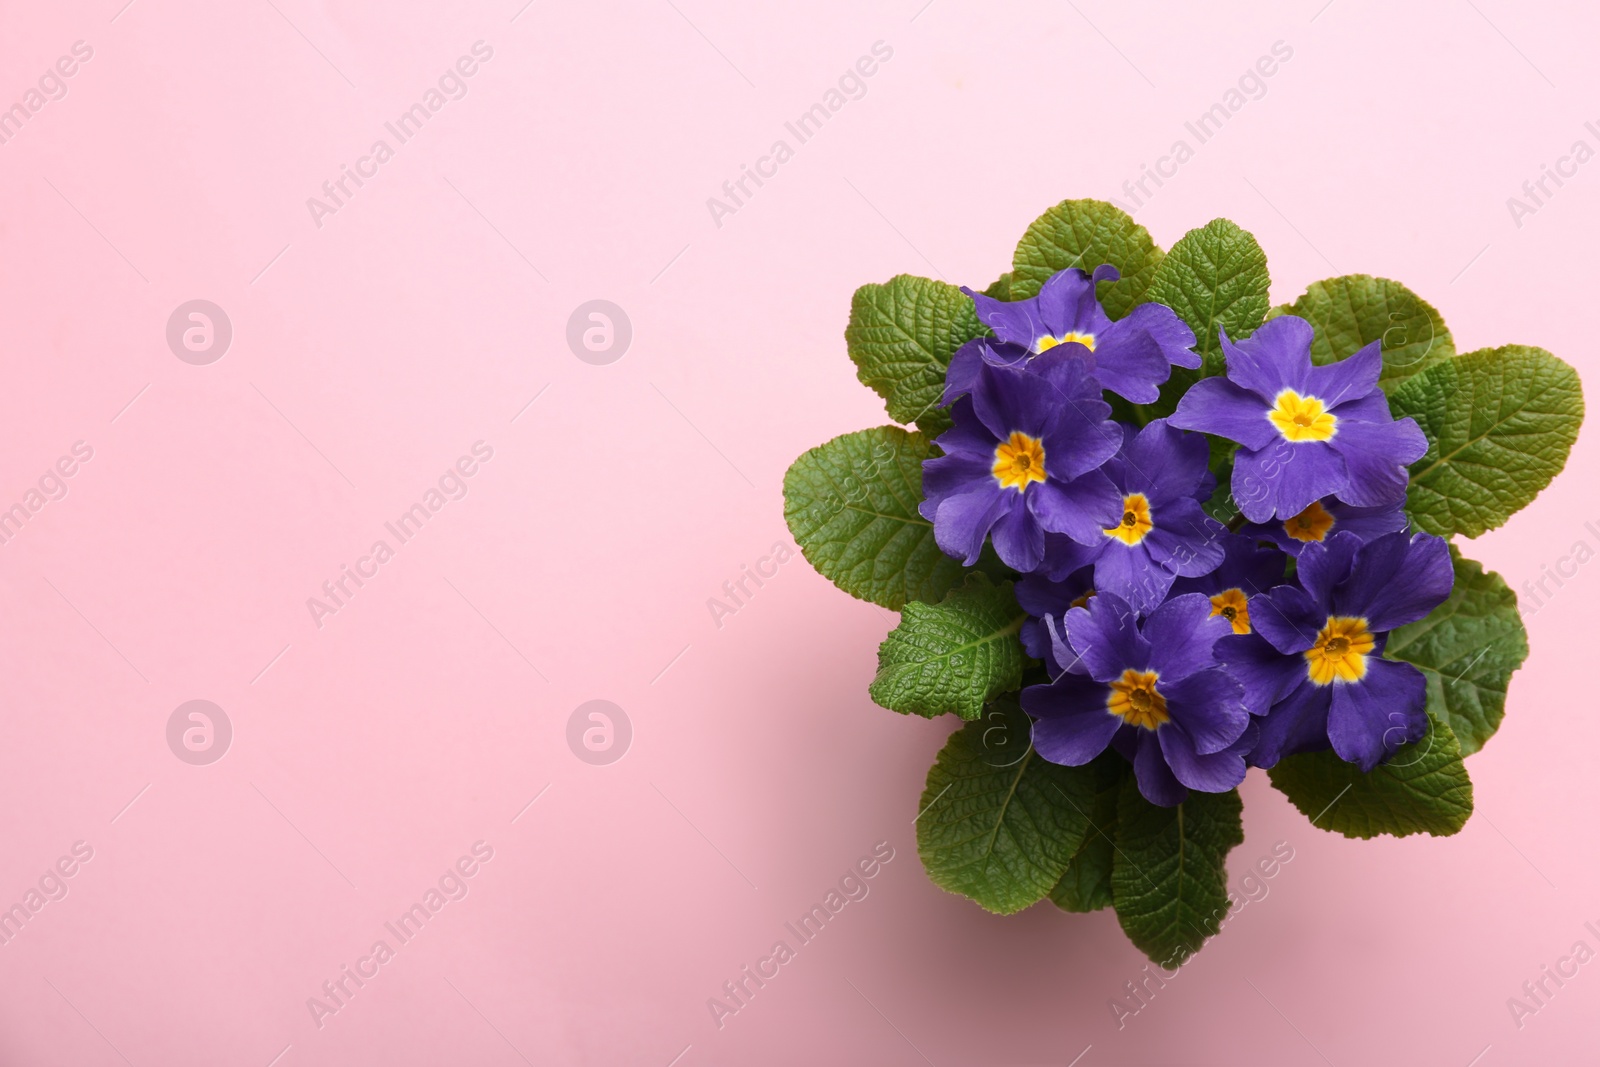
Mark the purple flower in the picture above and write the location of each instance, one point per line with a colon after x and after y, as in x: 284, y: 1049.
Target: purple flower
x: 1047, y: 602
x: 1246, y: 570
x: 1154, y: 692
x: 1322, y: 519
x: 1314, y: 666
x: 1306, y: 432
x: 1021, y: 459
x: 1160, y: 531
x: 1131, y: 357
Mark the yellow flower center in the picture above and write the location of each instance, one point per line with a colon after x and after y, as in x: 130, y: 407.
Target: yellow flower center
x: 1340, y: 654
x: 1019, y: 461
x: 1312, y: 524
x: 1046, y: 343
x: 1135, y: 699
x: 1082, y: 601
x: 1135, y: 520
x: 1234, y: 606
x: 1302, y: 418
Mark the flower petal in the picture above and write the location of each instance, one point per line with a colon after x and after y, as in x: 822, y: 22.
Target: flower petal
x: 1376, y: 454
x: 1163, y: 462
x: 1182, y: 633
x: 1083, y: 436
x: 1018, y: 537
x: 1297, y: 723
x: 1372, y: 718
x: 1155, y: 778
x: 1209, y: 706
x: 1274, y: 358
x: 1073, y: 723
x: 1081, y: 508
x: 1185, y: 539
x: 953, y: 475
x: 1165, y: 327
x: 1067, y: 303
x: 1131, y: 363
x: 1128, y: 572
x: 1288, y: 618
x: 1008, y: 401
x: 1347, y: 379
x: 1015, y: 322
x: 1040, y: 596
x: 1063, y: 555
x: 1217, y: 772
x: 1265, y: 674
x: 1324, y: 566
x: 961, y: 377
x: 963, y: 521
x: 1396, y: 579
x: 967, y: 436
x: 1106, y: 636
x: 1364, y: 523
x: 1246, y: 565
x: 1284, y: 479
x: 1217, y: 406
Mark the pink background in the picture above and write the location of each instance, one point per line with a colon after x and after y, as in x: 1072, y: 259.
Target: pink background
x: 368, y: 754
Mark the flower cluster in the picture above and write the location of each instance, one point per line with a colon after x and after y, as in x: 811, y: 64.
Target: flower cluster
x: 1193, y: 648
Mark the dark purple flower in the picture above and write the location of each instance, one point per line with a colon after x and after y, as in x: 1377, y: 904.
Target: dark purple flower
x: 1047, y: 602
x: 1323, y: 518
x: 1021, y: 459
x: 1160, y: 531
x: 1154, y: 691
x: 962, y: 375
x: 1246, y: 570
x: 1306, y: 432
x: 1314, y: 666
x: 1131, y: 357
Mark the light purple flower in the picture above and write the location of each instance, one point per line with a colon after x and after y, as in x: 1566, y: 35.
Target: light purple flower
x: 1305, y: 432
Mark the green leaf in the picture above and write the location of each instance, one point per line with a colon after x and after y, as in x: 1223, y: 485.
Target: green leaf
x: 852, y: 507
x: 1215, y: 278
x: 999, y: 823
x: 1467, y: 648
x: 1001, y: 287
x: 1085, y: 234
x: 901, y: 336
x: 1500, y: 423
x: 1352, y: 311
x: 1221, y: 505
x: 955, y: 655
x: 1086, y: 883
x: 1169, y: 877
x: 1423, y: 788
